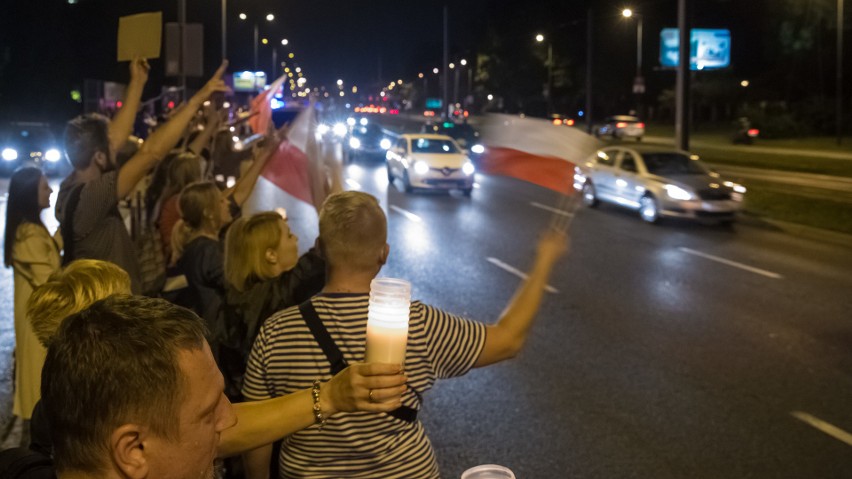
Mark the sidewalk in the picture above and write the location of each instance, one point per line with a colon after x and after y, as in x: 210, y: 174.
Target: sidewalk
x: 833, y: 155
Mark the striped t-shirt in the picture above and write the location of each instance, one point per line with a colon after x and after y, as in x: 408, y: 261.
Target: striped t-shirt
x: 286, y: 358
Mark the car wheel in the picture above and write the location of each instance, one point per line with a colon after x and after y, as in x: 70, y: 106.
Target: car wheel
x: 589, y: 198
x: 406, y: 183
x: 649, y: 209
x: 467, y: 191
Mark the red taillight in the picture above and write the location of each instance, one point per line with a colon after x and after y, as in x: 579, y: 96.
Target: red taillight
x: 753, y: 132
x: 640, y: 125
x: 118, y: 104
x: 621, y: 124
x: 569, y: 122
x: 171, y: 105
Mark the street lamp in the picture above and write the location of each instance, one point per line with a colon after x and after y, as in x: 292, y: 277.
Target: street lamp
x: 638, y: 82
x: 269, y: 18
x: 540, y: 38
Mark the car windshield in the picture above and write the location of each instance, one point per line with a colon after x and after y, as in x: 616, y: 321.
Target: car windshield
x: 672, y: 164
x: 431, y: 145
x: 36, y: 135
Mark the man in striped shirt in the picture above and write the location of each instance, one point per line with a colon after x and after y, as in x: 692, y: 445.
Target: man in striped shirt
x: 286, y: 356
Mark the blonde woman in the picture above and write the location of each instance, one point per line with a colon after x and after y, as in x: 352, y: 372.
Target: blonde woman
x: 264, y: 274
x: 183, y: 170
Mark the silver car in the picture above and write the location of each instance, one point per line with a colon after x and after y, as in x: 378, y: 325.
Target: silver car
x: 657, y: 183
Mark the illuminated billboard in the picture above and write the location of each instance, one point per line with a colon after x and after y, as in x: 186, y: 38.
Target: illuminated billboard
x: 249, y: 81
x: 710, y: 49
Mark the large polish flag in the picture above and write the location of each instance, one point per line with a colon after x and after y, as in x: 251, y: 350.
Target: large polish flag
x: 261, y: 107
x: 289, y: 178
x: 534, y: 150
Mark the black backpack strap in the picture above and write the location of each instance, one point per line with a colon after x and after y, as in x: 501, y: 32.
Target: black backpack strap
x: 332, y: 352
x: 335, y: 357
x: 67, y: 224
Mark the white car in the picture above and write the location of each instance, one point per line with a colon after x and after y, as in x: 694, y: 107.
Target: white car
x: 430, y: 161
x: 620, y: 127
x: 658, y: 182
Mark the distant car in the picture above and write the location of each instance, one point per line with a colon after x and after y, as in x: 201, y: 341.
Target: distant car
x: 465, y: 135
x: 31, y: 143
x: 561, y: 120
x: 620, y: 127
x: 370, y: 140
x: 430, y: 161
x: 658, y: 183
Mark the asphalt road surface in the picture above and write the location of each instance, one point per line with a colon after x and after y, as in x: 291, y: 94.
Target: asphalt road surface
x: 671, y: 351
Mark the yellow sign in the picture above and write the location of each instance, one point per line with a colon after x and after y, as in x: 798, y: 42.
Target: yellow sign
x: 140, y: 35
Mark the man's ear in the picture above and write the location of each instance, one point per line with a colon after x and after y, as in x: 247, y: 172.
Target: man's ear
x: 271, y: 256
x: 320, y: 249
x: 127, y: 448
x: 100, y: 158
x: 385, y: 252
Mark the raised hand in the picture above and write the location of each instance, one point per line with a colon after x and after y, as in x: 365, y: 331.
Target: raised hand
x: 366, y: 387
x: 215, y: 84
x: 552, y: 246
x: 139, y: 69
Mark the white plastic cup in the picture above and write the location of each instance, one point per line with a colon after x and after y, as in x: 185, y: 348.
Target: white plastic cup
x: 488, y: 471
x: 387, y: 320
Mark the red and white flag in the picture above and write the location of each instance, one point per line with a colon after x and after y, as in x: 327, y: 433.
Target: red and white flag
x: 534, y: 150
x: 261, y: 107
x: 289, y: 179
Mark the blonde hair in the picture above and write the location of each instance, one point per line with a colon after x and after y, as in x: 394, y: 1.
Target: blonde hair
x: 352, y: 230
x: 245, y: 248
x: 71, y: 290
x: 184, y: 169
x: 199, y: 208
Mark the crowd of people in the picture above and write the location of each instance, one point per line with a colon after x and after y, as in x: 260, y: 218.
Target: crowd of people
x: 119, y: 376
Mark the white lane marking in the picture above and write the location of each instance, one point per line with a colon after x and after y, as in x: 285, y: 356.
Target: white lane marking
x: 353, y: 184
x: 496, y: 262
x: 551, y: 209
x: 407, y: 214
x: 728, y: 262
x: 823, y: 426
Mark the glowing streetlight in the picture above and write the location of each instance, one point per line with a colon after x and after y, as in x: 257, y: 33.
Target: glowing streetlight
x: 627, y: 13
x: 339, y: 82
x: 435, y: 70
x: 490, y: 97
x: 399, y: 82
x: 264, y: 41
x: 539, y: 38
x: 452, y: 65
x: 270, y: 17
x: 419, y: 75
x: 243, y: 16
x: 285, y: 42
x: 463, y: 62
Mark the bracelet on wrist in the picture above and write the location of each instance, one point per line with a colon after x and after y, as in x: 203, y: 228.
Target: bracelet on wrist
x: 319, y: 417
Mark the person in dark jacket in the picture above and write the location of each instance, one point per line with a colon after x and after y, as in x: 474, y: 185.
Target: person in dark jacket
x: 264, y: 274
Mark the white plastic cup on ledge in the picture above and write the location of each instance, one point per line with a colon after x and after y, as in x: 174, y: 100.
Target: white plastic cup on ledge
x: 488, y: 471
x: 387, y: 320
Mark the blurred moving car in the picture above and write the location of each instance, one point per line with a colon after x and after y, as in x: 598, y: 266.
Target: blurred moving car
x: 368, y: 140
x: 430, y: 161
x: 658, y: 182
x: 465, y: 135
x: 561, y: 120
x: 34, y: 144
x: 620, y: 127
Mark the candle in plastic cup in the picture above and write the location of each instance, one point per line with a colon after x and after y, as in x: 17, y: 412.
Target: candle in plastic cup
x: 488, y: 471
x: 387, y: 320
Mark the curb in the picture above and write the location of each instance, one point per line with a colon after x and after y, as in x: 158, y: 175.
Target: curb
x: 802, y: 231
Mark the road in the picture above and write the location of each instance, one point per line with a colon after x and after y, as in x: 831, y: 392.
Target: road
x: 675, y: 351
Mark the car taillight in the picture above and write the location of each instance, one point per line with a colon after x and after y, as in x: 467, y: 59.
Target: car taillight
x: 620, y: 124
x: 640, y: 125
x: 569, y: 122
x: 557, y: 121
x: 753, y: 132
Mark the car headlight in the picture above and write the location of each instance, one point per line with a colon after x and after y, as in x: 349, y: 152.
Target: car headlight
x: 354, y: 143
x: 364, y: 122
x: 350, y: 121
x: 52, y: 155
x: 677, y: 193
x: 339, y: 129
x: 385, y: 144
x: 478, y: 149
x: 322, y: 128
x: 420, y: 167
x: 739, y: 188
x: 10, y: 154
x: 468, y: 168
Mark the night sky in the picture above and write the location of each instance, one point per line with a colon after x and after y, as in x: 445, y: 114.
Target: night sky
x: 48, y: 46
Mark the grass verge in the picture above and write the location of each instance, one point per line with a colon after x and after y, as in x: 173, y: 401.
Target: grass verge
x: 792, y: 162
x: 784, y: 206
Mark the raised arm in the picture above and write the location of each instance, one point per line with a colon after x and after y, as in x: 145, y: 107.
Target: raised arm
x: 211, y: 126
x: 244, y: 186
x: 122, y: 123
x: 263, y: 422
x: 166, y: 136
x: 506, y: 338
